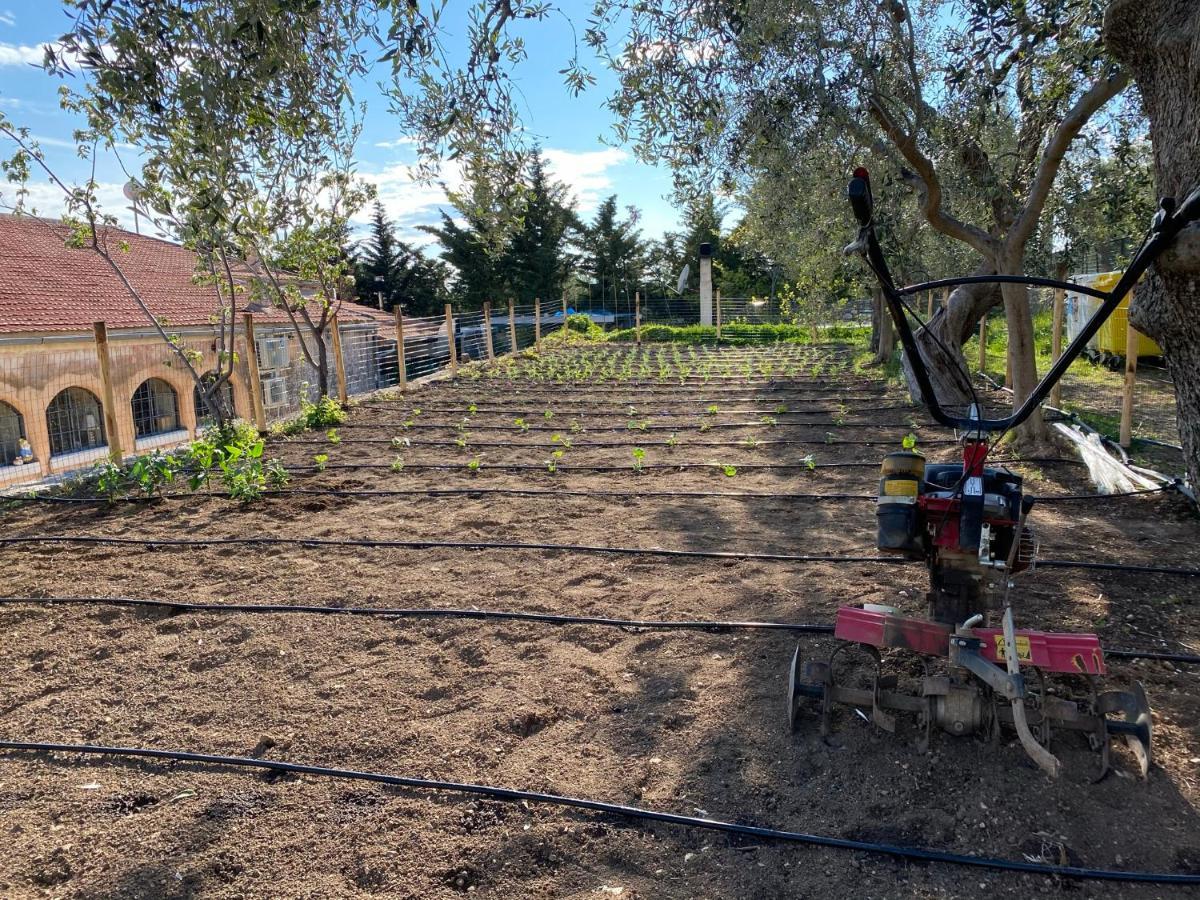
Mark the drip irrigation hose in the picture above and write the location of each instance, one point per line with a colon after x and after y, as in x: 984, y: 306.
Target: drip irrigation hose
x: 154, y: 543
x: 526, y: 492
x: 181, y: 606
x: 511, y: 795
x: 394, y: 613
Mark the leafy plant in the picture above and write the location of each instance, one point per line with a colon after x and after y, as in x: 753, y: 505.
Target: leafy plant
x: 110, y: 479
x: 521, y: 424
x: 334, y: 437
x: 552, y: 462
x: 752, y: 443
x: 673, y: 441
x: 729, y: 470
x: 575, y: 427
x: 769, y: 421
x: 548, y: 415
x: 712, y: 410
x: 809, y: 462
x: 320, y: 460
x: 153, y: 472
x: 325, y: 413
x: 472, y: 409
x: 473, y: 465
x: 401, y: 442
x: 639, y: 458
x: 909, y: 442
x: 397, y: 465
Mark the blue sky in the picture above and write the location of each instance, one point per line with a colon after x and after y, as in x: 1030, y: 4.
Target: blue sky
x: 570, y: 129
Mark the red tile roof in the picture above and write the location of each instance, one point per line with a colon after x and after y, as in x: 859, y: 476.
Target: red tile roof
x: 47, y: 286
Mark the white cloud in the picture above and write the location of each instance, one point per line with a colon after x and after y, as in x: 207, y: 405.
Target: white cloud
x: 7, y: 18
x: 47, y: 199
x: 585, y: 172
x: 22, y: 54
x: 397, y: 143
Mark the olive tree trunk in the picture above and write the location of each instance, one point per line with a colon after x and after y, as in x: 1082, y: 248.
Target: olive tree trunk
x: 941, y: 341
x: 1159, y: 42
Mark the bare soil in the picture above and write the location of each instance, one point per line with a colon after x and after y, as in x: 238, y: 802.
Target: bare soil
x: 690, y: 722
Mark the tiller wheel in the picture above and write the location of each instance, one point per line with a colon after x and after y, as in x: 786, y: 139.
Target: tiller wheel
x: 968, y: 523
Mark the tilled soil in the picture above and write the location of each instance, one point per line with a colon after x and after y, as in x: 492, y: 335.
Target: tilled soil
x: 691, y: 722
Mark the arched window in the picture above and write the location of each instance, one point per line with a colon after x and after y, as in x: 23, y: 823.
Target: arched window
x: 204, y: 415
x: 12, y: 430
x: 155, y: 408
x: 76, y: 421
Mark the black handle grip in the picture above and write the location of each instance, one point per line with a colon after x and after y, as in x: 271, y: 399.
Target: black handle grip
x: 859, y: 194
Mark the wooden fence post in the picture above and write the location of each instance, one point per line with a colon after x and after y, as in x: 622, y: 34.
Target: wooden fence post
x: 564, y: 325
x: 537, y: 324
x: 450, y: 341
x: 928, y: 305
x: 512, y: 327
x: 717, y: 301
x: 255, y: 385
x: 637, y: 315
x: 983, y: 343
x: 401, y: 363
x: 339, y: 361
x: 1131, y: 351
x: 946, y: 298
x: 106, y: 389
x: 487, y: 328
x: 1056, y: 334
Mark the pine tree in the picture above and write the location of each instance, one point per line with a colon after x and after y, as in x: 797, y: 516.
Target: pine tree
x: 612, y: 254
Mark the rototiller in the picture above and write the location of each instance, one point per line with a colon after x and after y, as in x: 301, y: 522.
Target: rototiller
x: 968, y: 522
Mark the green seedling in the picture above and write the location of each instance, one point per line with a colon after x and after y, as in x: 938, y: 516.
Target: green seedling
x: 840, y: 416
x: 769, y: 421
x: 416, y: 411
x: 401, y: 442
x: 548, y: 415
x: 752, y: 443
x: 575, y: 427
x: 521, y: 424
x: 909, y: 442
x: 638, y: 426
x: 406, y: 424
x: 829, y: 437
x: 473, y: 466
x: 552, y: 462
x: 712, y: 410
x: 673, y: 441
x: 809, y: 462
x: 729, y: 470
x: 639, y: 459
x: 704, y: 426
x: 472, y: 409
x: 320, y: 460
x: 781, y: 408
x: 461, y: 442
x: 397, y: 465
x: 334, y: 437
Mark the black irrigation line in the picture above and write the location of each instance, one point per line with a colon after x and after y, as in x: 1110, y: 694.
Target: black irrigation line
x: 529, y: 492
x: 188, y: 606
x: 511, y: 795
x: 565, y: 469
x: 409, y: 613
x: 648, y: 413
x: 585, y: 445
x: 514, y: 401
x: 153, y: 543
x: 624, y: 428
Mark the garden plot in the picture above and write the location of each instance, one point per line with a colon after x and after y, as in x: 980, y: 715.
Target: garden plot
x: 685, y: 721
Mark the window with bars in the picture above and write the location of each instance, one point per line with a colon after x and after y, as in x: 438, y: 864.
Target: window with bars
x: 76, y: 421
x: 12, y: 431
x: 204, y: 416
x: 155, y: 408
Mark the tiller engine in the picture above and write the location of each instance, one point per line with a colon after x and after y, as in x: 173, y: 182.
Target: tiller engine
x: 978, y: 673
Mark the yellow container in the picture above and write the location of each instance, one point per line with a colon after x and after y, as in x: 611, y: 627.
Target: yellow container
x: 1111, y: 336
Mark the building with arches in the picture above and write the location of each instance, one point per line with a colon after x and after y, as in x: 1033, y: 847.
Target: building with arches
x: 55, y: 416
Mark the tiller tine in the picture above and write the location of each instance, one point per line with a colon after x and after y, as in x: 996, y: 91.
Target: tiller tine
x: 1136, y: 722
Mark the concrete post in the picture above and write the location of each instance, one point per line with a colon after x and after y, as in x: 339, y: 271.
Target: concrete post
x: 706, y: 285
x: 401, y: 364
x: 487, y: 328
x: 450, y: 341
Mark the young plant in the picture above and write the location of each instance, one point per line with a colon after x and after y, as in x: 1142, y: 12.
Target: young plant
x: 781, y: 408
x: 712, y: 410
x: 729, y: 470
x: 397, y: 465
x: 334, y: 437
x: 110, y: 479
x: 769, y: 421
x: 472, y: 409
x: 552, y: 462
x: 473, y: 466
x: 563, y: 442
x: 461, y: 441
x: 673, y: 441
x: 320, y: 460
x: 575, y: 427
x: 548, y: 415
x: 639, y: 459
x: 809, y: 462
x: 399, y: 442
x: 521, y: 424
x: 152, y: 473
x: 752, y: 443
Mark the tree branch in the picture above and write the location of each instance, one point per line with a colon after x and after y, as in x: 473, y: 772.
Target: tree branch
x: 925, y: 181
x: 1085, y: 107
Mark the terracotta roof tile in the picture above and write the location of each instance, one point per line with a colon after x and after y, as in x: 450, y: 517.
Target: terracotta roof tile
x: 47, y: 286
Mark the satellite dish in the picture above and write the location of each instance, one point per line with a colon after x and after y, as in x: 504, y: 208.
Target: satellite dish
x: 683, y: 278
x: 131, y: 192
